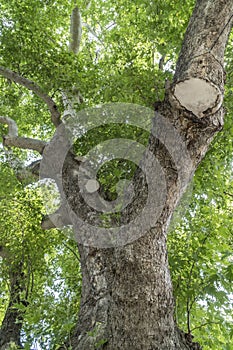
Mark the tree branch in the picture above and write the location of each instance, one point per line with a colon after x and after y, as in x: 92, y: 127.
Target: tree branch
x: 12, y: 323
x: 228, y: 194
x: 198, y: 83
x: 207, y: 33
x: 86, y: 25
x: 30, y: 173
x: 12, y: 138
x: 59, y: 219
x: 12, y: 126
x: 3, y: 252
x: 25, y: 143
x: 75, y: 30
x: 30, y: 85
x: 203, y: 325
x: 72, y: 251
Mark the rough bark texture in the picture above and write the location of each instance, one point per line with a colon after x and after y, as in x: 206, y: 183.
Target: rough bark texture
x: 12, y: 323
x: 127, y: 300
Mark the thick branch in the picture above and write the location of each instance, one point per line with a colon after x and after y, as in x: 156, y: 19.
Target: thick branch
x: 12, y: 138
x: 25, y: 143
x: 75, y: 30
x: 198, y: 83
x: 207, y: 33
x: 12, y: 126
x: 58, y: 219
x: 34, y: 167
x: 55, y: 114
x: 30, y: 173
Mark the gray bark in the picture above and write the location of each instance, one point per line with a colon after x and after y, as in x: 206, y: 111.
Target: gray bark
x: 127, y: 298
x: 30, y: 85
x: 12, y: 138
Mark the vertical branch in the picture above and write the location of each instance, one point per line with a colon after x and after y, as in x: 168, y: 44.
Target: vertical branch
x: 74, y: 45
x: 188, y: 317
x: 75, y: 30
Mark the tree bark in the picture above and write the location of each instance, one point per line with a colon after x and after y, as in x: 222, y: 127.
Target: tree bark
x: 12, y: 138
x: 30, y: 85
x: 10, y: 330
x: 127, y: 298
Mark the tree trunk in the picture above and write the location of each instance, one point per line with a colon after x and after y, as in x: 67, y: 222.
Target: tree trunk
x: 10, y: 330
x: 127, y: 300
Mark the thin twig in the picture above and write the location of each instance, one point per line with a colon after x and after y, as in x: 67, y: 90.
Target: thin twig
x: 203, y: 325
x: 72, y: 250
